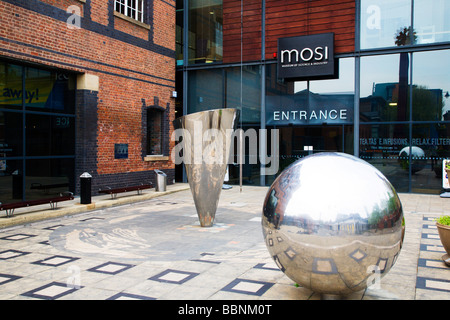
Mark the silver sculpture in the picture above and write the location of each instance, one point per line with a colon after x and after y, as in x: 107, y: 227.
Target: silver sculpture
x: 333, y: 223
x: 418, y: 160
x: 206, y: 144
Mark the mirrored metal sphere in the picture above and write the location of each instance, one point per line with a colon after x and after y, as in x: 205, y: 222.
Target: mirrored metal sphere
x: 417, y: 158
x: 333, y: 223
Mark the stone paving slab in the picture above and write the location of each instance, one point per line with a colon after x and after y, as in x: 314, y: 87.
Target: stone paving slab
x: 154, y: 249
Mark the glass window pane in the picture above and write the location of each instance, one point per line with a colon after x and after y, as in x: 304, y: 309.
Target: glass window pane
x: 154, y: 131
x: 49, y: 177
x: 50, y: 135
x: 205, y: 31
x: 321, y: 102
x: 11, y: 137
x: 11, y: 181
x: 431, y: 84
x: 10, y: 86
x: 431, y: 145
x: 431, y: 21
x: 383, y: 23
x: 49, y: 91
x: 251, y: 92
x: 179, y: 38
x: 205, y: 90
x: 345, y: 83
x: 382, y: 145
x: 384, y: 88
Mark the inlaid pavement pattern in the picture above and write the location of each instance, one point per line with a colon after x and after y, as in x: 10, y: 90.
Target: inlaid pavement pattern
x: 155, y: 249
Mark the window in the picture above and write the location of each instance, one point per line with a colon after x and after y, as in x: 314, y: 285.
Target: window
x: 389, y: 23
x: 155, y: 125
x: 384, y: 88
x: 384, y: 22
x: 131, y: 8
x: 205, y: 31
x: 430, y: 21
x: 37, y: 132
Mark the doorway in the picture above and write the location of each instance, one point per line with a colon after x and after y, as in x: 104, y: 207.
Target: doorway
x: 300, y: 141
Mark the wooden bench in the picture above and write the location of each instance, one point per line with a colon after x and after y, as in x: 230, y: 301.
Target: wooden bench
x: 114, y: 191
x: 10, y: 207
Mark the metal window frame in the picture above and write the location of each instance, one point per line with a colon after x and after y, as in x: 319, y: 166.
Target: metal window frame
x: 131, y: 8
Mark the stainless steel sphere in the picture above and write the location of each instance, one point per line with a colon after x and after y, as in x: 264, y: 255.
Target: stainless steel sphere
x: 418, y: 161
x: 333, y: 223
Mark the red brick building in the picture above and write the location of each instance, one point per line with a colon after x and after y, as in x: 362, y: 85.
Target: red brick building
x: 85, y: 86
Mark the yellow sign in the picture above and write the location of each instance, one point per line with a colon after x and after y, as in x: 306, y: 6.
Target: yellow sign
x: 36, y: 94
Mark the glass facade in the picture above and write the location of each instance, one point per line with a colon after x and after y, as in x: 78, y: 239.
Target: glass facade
x: 388, y: 23
x: 389, y: 106
x: 37, y: 132
x: 205, y: 40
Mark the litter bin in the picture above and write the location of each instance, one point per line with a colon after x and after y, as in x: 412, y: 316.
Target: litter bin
x: 85, y: 188
x: 161, y: 180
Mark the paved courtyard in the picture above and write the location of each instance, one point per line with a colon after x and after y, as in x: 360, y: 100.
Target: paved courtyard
x: 151, y: 246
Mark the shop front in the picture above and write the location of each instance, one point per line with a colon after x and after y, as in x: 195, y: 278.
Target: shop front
x: 37, y: 132
x: 374, y: 85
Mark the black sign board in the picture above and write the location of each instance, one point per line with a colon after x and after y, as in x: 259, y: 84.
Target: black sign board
x: 309, y: 109
x: 121, y: 151
x: 307, y: 57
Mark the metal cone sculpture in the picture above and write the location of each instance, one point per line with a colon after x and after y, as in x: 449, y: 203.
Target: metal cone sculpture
x: 205, y: 148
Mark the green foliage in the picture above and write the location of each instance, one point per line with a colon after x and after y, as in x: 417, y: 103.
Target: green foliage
x: 447, y: 165
x: 445, y: 220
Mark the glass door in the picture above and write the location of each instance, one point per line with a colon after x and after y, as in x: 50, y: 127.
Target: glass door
x: 301, y: 141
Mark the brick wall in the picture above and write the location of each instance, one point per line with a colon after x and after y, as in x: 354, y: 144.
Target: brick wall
x: 133, y: 62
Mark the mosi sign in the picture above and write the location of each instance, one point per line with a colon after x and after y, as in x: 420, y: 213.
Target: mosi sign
x: 307, y: 57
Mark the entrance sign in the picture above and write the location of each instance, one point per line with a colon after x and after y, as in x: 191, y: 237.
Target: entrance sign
x: 307, y: 57
x: 308, y: 109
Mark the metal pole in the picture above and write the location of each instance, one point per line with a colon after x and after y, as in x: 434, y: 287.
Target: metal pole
x: 242, y: 113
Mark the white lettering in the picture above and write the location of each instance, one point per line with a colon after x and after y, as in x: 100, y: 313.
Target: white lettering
x: 276, y: 115
x: 290, y: 55
x: 303, y: 114
x: 334, y: 116
x: 307, y: 54
x: 374, y: 20
x: 311, y: 54
x: 322, y: 114
x: 246, y: 309
x: 319, y: 54
x: 74, y: 21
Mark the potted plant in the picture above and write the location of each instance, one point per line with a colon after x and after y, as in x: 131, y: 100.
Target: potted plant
x: 443, y: 226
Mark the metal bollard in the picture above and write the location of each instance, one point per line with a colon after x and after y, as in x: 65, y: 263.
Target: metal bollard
x: 85, y: 188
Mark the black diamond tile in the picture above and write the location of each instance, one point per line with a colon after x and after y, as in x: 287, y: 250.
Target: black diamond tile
x: 51, y: 291
x: 18, y: 237
x: 55, y: 261
x: 129, y: 296
x: 174, y: 276
x: 245, y: 286
x: 10, y: 254
x: 5, y: 278
x: 111, y: 268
